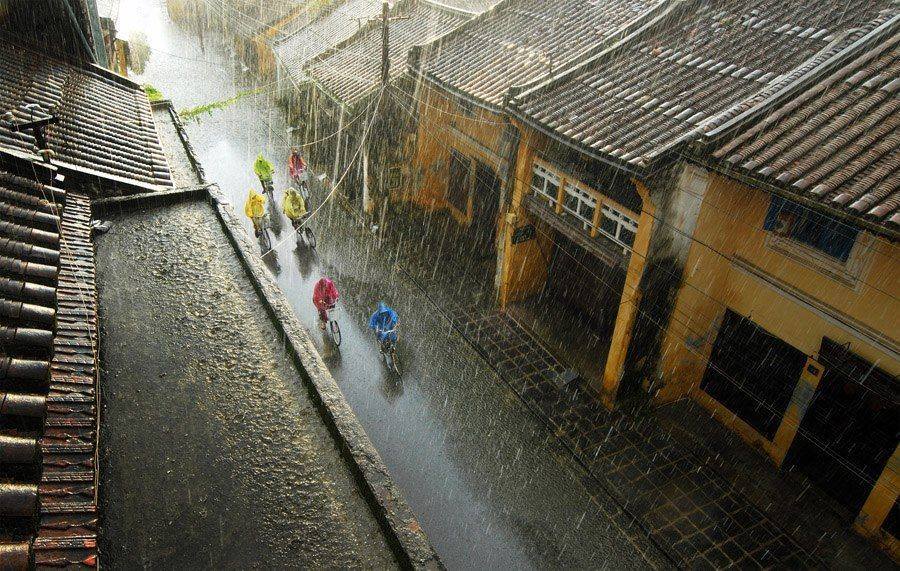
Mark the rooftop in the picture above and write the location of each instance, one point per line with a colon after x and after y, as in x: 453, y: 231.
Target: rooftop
x: 329, y: 29
x: 829, y: 133
x: 635, y: 101
x: 48, y: 372
x: 352, y: 69
x: 105, y: 127
x: 521, y: 40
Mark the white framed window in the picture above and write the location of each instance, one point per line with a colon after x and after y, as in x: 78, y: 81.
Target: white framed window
x: 581, y: 204
x: 617, y: 226
x: 545, y: 184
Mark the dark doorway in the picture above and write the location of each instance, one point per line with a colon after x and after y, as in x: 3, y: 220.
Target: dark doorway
x: 752, y: 373
x: 851, y: 427
x: 485, y: 206
x: 459, y: 181
x: 584, y: 284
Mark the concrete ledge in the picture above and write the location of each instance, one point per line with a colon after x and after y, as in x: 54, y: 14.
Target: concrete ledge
x: 400, y: 526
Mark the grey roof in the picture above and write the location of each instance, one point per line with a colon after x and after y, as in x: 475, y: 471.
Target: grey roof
x: 326, y: 31
x: 352, y: 70
x: 637, y: 100
x: 521, y: 41
x: 105, y: 125
x: 835, y: 138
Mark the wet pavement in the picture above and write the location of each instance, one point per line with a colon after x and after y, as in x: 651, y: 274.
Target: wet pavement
x: 213, y: 454
x: 490, y: 485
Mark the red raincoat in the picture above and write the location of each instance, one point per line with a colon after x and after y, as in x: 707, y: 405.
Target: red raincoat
x: 325, y: 295
x: 296, y: 166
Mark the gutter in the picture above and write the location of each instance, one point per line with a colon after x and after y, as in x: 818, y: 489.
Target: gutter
x: 402, y: 531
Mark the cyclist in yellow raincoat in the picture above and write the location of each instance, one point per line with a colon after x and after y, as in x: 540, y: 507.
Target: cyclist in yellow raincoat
x: 294, y: 206
x: 255, y: 209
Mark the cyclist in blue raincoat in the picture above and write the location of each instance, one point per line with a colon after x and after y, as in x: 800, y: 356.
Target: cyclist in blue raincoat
x: 384, y: 323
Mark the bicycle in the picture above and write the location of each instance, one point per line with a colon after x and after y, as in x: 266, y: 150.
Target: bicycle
x: 261, y: 229
x: 305, y: 234
x: 334, y: 329
x: 388, y: 347
x: 268, y: 189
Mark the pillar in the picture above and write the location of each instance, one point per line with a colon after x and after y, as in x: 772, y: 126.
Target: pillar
x: 793, y: 416
x: 879, y: 504
x: 629, y: 303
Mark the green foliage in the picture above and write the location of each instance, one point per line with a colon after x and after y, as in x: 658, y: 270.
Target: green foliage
x: 153, y: 94
x: 194, y: 113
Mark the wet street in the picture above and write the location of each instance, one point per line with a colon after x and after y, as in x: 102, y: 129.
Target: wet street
x: 489, y: 484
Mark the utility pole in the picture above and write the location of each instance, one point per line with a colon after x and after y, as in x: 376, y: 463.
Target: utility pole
x: 385, y: 42
x: 385, y: 21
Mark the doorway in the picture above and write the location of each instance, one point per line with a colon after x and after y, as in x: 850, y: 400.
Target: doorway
x: 485, y: 206
x: 851, y: 427
x: 752, y: 373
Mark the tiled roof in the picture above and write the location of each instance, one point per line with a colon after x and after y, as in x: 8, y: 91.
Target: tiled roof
x: 642, y: 97
x: 325, y: 32
x: 836, y: 140
x: 48, y: 333
x: 471, y: 6
x: 105, y: 125
x: 521, y: 40
x: 353, y: 70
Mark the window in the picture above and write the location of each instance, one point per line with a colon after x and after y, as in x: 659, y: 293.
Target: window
x: 545, y: 183
x: 580, y: 204
x: 617, y: 226
x: 790, y: 220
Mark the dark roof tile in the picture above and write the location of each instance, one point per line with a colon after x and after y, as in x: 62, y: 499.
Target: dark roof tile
x: 837, y: 140
x: 352, y: 70
x: 105, y: 124
x: 522, y: 40
x: 706, y: 57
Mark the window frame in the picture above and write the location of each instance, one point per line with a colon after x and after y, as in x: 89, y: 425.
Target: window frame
x: 547, y: 176
x: 622, y: 220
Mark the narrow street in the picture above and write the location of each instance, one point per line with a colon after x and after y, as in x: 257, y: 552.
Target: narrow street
x: 489, y: 483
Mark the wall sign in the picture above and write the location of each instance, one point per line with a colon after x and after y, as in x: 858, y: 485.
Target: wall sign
x: 523, y: 234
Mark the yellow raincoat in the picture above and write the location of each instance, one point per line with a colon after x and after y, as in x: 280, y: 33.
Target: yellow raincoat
x: 294, y: 206
x: 255, y: 207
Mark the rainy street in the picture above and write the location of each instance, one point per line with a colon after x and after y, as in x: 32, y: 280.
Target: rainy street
x: 450, y: 284
x: 490, y: 487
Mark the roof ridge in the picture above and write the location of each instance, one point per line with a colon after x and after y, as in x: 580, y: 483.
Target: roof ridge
x: 814, y: 70
x: 663, y: 12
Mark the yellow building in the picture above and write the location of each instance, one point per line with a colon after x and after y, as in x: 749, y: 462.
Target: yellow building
x: 763, y: 278
x: 788, y: 319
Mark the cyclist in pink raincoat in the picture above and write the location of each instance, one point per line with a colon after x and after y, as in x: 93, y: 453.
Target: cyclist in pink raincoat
x: 325, y: 297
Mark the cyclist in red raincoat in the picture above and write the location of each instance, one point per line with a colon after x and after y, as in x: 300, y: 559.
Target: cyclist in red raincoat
x: 325, y: 297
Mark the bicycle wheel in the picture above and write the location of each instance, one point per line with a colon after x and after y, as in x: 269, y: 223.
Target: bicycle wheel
x: 395, y: 362
x: 265, y: 241
x: 335, y: 332
x: 309, y: 237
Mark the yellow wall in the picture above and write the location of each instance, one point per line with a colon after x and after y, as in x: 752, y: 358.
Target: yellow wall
x: 441, y: 120
x: 730, y: 225
x: 729, y: 239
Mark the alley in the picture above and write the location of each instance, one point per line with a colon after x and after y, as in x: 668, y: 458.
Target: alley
x: 489, y: 483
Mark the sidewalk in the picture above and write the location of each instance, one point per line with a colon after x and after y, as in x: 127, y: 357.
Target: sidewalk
x: 700, y: 493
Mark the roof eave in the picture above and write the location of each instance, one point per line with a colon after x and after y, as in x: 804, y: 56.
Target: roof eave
x: 634, y: 170
x: 726, y: 170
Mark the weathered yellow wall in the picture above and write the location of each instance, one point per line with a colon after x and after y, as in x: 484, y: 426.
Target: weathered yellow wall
x: 731, y: 223
x: 444, y: 125
x: 525, y: 265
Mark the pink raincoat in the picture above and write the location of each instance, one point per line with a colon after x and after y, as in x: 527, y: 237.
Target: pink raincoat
x: 325, y: 295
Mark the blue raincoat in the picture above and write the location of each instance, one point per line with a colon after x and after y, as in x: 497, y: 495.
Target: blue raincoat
x: 384, y: 321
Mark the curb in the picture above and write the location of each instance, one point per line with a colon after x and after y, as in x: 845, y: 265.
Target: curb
x: 403, y: 532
